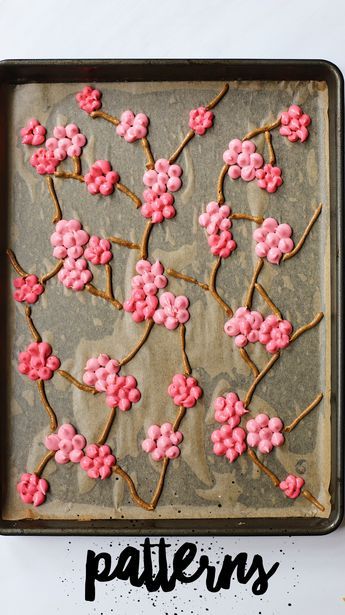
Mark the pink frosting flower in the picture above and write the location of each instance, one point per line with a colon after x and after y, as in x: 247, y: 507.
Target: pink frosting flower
x: 27, y: 288
x: 173, y: 311
x: 67, y: 443
x: 269, y: 178
x: 242, y: 159
x: 294, y: 124
x: 37, y: 361
x: 200, y: 120
x: 132, y: 127
x: 102, y: 373
x: 275, y: 333
x: 101, y: 178
x: 215, y: 218
x: 75, y: 274
x: 244, y: 326
x: 98, y: 461
x: 157, y: 207
x: 229, y: 441
x: 163, y: 177
x: 69, y: 239
x: 265, y: 433
x: 89, y: 99
x: 222, y: 244
x: 44, y: 161
x: 292, y: 486
x: 98, y: 251
x: 229, y: 409
x: 162, y: 441
x: 273, y: 240
x: 67, y: 141
x: 33, y: 133
x: 185, y: 391
x: 143, y: 303
x: 32, y: 489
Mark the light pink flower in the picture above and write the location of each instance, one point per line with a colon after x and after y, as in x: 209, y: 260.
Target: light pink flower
x: 229, y: 441
x: 292, y: 486
x: 173, y: 311
x: 27, y: 288
x: 102, y: 373
x: 37, y: 361
x: 67, y: 443
x: 143, y: 303
x: 32, y: 489
x: 229, y: 409
x: 163, y: 177
x: 162, y: 441
x: 222, y: 244
x: 44, y: 161
x: 200, y: 120
x: 185, y: 391
x: 98, y: 461
x: 67, y: 141
x: 33, y: 133
x: 132, y: 127
x: 269, y: 178
x: 98, y: 251
x: 242, y: 159
x: 273, y: 240
x: 215, y: 218
x: 265, y: 433
x: 294, y: 124
x: 89, y: 99
x: 75, y: 274
x: 69, y: 239
x: 157, y: 207
x: 101, y: 178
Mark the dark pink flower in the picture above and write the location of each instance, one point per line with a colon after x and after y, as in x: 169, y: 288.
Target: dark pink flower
x: 229, y: 441
x: 162, y: 441
x: 98, y: 251
x: 101, y: 178
x: 75, y: 274
x: 27, y: 288
x: 185, y: 391
x: 173, y: 311
x: 98, y: 461
x: 200, y: 120
x: 102, y: 373
x: 69, y: 239
x: 44, y: 161
x: 229, y: 409
x: 265, y: 433
x: 32, y: 489
x: 269, y: 178
x: 37, y: 361
x: 143, y: 303
x: 67, y: 443
x: 243, y: 159
x: 222, y: 244
x: 33, y: 133
x: 157, y: 207
x: 132, y: 127
x: 89, y: 99
x: 292, y: 486
x: 294, y: 124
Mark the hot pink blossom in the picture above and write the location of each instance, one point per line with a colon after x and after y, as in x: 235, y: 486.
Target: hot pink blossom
x: 98, y: 251
x: 292, y: 486
x: 37, y: 361
x: 27, y: 288
x: 215, y: 218
x: 98, y: 461
x: 222, y: 244
x: 32, y: 489
x: 200, y: 120
x: 162, y: 441
x: 75, y: 274
x: 265, y: 433
x: 143, y: 303
x: 67, y: 443
x: 244, y: 326
x: 102, y: 373
x: 157, y: 207
x: 44, y: 161
x: 33, y: 133
x: 132, y: 127
x: 229, y: 409
x: 275, y: 333
x: 163, y: 177
x: 269, y: 178
x: 185, y: 391
x: 294, y: 124
x: 229, y: 441
x: 173, y: 311
x: 101, y: 178
x: 89, y: 99
x: 273, y: 240
x: 67, y: 141
x: 242, y: 159
x: 69, y: 239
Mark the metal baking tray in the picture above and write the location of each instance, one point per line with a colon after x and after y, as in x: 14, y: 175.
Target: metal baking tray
x: 96, y: 71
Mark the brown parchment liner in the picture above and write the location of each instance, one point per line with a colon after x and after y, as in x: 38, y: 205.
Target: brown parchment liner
x: 198, y: 484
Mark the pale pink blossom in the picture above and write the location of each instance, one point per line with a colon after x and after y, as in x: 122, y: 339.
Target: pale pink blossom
x: 67, y: 141
x: 243, y: 159
x: 98, y: 461
x: 229, y: 409
x: 157, y: 207
x: 67, y: 443
x: 184, y: 390
x: 273, y: 240
x: 294, y: 124
x: 163, y: 177
x: 89, y: 99
x: 215, y: 218
x: 44, y: 161
x: 69, y: 239
x: 98, y: 251
x: 101, y: 178
x: 269, y: 178
x: 173, y: 310
x: 162, y: 441
x: 75, y: 274
x: 229, y: 441
x: 132, y: 127
x: 264, y: 433
x: 102, y: 373
x: 33, y: 133
x: 200, y: 120
x: 32, y: 489
x: 37, y: 361
x: 28, y: 288
x: 292, y: 486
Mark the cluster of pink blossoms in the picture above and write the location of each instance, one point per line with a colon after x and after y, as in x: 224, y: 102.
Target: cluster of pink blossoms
x: 292, y: 486
x: 145, y: 286
x: 265, y: 433
x: 32, y: 489
x: 69, y: 239
x: 67, y: 141
x: 158, y: 202
x: 28, y: 288
x: 37, y: 361
x: 200, y: 120
x: 98, y: 461
x: 273, y: 240
x: 162, y: 441
x: 173, y: 311
x: 44, y: 161
x: 67, y: 443
x: 245, y: 162
x: 217, y: 223
x: 269, y: 178
x: 229, y: 440
x: 33, y: 132
x: 250, y: 326
x: 132, y: 127
x: 294, y: 124
x: 98, y: 251
x: 229, y: 409
x: 101, y: 178
x: 89, y: 99
x: 184, y: 390
x: 102, y: 373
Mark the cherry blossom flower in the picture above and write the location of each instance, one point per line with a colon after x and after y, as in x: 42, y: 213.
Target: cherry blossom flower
x: 75, y: 274
x: 143, y: 303
x: 69, y: 239
x: 163, y: 177
x: 67, y: 443
x: 229, y: 409
x: 102, y: 373
x: 264, y: 433
x: 98, y: 461
x: 67, y: 141
x: 275, y: 333
x: 292, y: 486
x: 269, y: 178
x: 242, y: 159
x: 32, y: 489
x: 244, y: 326
x: 200, y: 120
x: 27, y: 288
x: 33, y: 132
x: 98, y: 251
x: 185, y: 391
x: 37, y: 361
x: 162, y: 441
x: 44, y: 161
x: 229, y: 441
x: 222, y: 244
x: 89, y: 99
x: 294, y: 124
x: 173, y: 311
x: 273, y: 240
x: 215, y: 218
x: 101, y: 178
x: 132, y: 127
x: 157, y: 207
